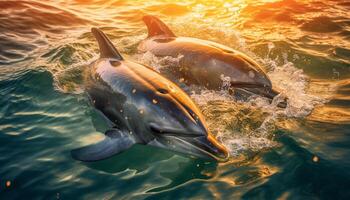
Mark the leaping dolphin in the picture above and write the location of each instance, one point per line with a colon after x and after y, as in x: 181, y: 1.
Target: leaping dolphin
x: 207, y: 63
x: 143, y: 108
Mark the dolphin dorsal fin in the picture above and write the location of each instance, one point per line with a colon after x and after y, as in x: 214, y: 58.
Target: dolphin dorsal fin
x: 107, y: 49
x: 156, y: 27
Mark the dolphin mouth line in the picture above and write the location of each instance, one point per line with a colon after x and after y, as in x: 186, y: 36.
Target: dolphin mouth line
x: 179, y: 138
x: 171, y: 132
x: 258, y: 89
x: 183, y: 137
x: 261, y: 91
x: 247, y: 90
x: 247, y: 85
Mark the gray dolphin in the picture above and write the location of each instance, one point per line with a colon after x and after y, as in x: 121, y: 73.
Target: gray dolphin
x: 143, y: 108
x: 206, y: 63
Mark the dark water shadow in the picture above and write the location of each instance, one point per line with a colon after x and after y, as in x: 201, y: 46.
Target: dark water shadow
x: 141, y: 157
x: 138, y: 157
x: 193, y: 169
x: 300, y: 177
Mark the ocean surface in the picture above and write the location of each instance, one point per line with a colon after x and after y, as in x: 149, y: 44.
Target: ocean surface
x: 300, y: 152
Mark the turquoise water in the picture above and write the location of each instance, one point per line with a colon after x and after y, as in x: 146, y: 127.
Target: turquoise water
x: 301, y: 152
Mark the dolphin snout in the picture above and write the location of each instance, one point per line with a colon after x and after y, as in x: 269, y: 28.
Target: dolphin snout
x: 268, y: 92
x: 281, y: 104
x: 211, y: 148
x: 271, y: 93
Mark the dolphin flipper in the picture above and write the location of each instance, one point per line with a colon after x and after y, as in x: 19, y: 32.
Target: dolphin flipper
x: 115, y: 142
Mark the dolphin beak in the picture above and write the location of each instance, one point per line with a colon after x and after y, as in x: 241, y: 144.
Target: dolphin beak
x: 209, y: 147
x: 268, y: 92
x: 205, y: 146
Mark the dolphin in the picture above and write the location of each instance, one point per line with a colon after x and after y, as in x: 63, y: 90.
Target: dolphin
x: 142, y: 107
x: 207, y: 63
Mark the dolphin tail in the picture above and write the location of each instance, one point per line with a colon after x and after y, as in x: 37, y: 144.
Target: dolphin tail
x: 107, y: 49
x: 115, y: 142
x: 156, y: 27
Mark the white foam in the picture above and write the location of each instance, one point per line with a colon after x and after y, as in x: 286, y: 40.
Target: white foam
x: 70, y: 80
x: 155, y: 62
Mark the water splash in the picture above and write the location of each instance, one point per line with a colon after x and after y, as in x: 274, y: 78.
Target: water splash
x: 243, y: 127
x: 249, y: 126
x: 68, y: 62
x: 157, y: 63
x: 70, y: 80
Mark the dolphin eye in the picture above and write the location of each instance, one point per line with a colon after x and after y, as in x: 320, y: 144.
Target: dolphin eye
x: 114, y: 63
x: 228, y: 51
x: 163, y: 91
